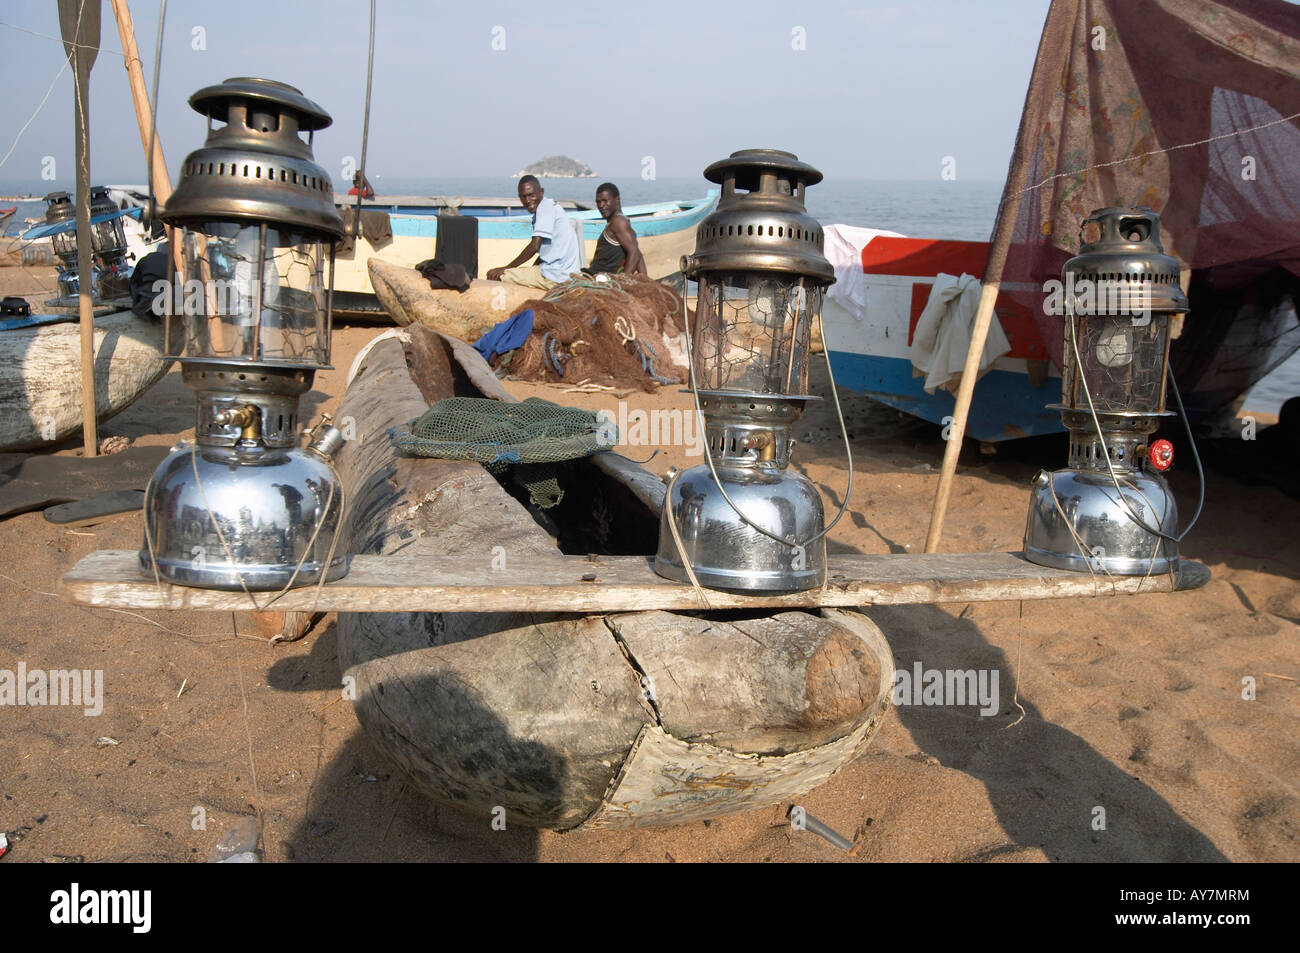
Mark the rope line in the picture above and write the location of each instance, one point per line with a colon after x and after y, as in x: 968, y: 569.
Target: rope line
x: 39, y: 107
x: 1147, y: 155
x: 59, y: 39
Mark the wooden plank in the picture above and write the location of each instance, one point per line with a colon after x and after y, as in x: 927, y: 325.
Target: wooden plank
x: 538, y: 582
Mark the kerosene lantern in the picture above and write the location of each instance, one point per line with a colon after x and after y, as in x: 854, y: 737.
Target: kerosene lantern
x: 1111, y: 510
x: 108, y: 240
x: 743, y: 520
x: 244, y: 507
x: 61, y: 222
x: 108, y: 244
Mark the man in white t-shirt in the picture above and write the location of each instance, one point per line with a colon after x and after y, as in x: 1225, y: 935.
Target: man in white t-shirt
x: 554, y: 243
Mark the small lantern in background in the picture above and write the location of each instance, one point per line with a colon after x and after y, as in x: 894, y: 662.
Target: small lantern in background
x: 108, y: 246
x: 108, y: 241
x: 250, y: 322
x: 743, y: 521
x: 1110, y: 510
x: 61, y: 222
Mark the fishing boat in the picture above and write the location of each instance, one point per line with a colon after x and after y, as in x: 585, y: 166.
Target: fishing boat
x: 665, y: 232
x: 869, y: 327
x: 1241, y: 326
x: 40, y: 360
x: 5, y: 215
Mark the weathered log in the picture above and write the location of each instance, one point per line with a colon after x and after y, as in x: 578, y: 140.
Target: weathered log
x: 407, y: 297
x: 40, y: 402
x: 631, y: 719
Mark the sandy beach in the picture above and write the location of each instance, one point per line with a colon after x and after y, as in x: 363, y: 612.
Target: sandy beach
x: 1134, y: 705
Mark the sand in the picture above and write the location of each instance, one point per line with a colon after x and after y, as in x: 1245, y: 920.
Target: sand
x: 1131, y: 705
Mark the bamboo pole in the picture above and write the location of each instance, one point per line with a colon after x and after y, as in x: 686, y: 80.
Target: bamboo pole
x: 161, y: 182
x: 1059, y: 16
x: 79, y: 25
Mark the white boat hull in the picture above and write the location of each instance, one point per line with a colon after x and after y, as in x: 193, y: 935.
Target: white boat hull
x: 40, y: 376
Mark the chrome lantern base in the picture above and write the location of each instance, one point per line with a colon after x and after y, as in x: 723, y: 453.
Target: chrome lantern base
x: 727, y: 553
x: 1073, y: 512
x: 270, y: 505
x: 244, y: 507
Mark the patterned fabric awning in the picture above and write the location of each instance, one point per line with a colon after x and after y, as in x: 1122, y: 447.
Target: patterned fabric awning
x: 1187, y: 107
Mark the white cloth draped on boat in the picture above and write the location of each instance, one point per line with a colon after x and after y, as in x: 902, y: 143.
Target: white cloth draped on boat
x: 943, y: 332
x: 844, y: 244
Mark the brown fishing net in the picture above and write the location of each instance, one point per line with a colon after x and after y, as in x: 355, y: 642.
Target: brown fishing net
x: 607, y: 332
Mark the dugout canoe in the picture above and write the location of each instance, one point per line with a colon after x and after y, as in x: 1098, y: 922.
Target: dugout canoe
x: 572, y: 721
x: 40, y: 370
x: 407, y: 297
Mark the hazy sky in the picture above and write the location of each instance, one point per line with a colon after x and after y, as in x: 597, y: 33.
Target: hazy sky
x: 880, y: 89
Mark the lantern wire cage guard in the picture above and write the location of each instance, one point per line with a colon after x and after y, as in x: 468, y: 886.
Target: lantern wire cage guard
x: 762, y: 345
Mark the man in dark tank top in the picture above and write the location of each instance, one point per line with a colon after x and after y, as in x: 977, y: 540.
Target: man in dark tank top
x: 616, y: 248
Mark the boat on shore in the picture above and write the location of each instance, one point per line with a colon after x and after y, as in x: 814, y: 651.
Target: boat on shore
x: 665, y: 232
x: 1242, y: 325
x: 869, y: 335
x: 40, y: 361
x: 575, y: 721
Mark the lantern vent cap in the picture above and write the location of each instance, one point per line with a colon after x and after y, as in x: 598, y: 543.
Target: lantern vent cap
x: 256, y: 168
x: 215, y: 101
x: 60, y: 208
x: 1128, y: 252
x: 761, y: 222
x: 745, y: 167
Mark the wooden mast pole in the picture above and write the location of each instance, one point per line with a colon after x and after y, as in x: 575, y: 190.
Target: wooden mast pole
x: 79, y: 24
x: 1058, y: 16
x: 161, y: 182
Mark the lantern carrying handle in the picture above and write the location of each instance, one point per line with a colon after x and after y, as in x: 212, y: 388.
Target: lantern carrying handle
x: 708, y: 453
x: 1116, y: 229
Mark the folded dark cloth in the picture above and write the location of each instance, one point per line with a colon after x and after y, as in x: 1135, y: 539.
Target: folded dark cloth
x: 153, y: 267
x: 375, y: 227
x: 440, y: 274
x: 457, y: 242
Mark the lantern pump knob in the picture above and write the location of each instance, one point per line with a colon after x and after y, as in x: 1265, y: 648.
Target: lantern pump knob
x: 1161, y: 455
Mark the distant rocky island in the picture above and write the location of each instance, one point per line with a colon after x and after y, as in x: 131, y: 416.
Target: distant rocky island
x: 557, y: 167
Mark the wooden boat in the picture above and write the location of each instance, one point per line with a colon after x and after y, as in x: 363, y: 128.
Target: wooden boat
x: 576, y: 721
x: 665, y: 232
x: 5, y: 215
x: 870, y: 344
x: 407, y: 298
x: 40, y: 397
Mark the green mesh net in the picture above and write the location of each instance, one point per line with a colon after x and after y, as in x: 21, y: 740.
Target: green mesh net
x: 531, y: 433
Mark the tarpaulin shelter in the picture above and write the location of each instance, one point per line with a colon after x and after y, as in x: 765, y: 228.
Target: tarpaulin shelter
x: 1190, y: 108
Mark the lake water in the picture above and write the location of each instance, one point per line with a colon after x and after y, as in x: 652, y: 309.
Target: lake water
x: 956, y: 210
